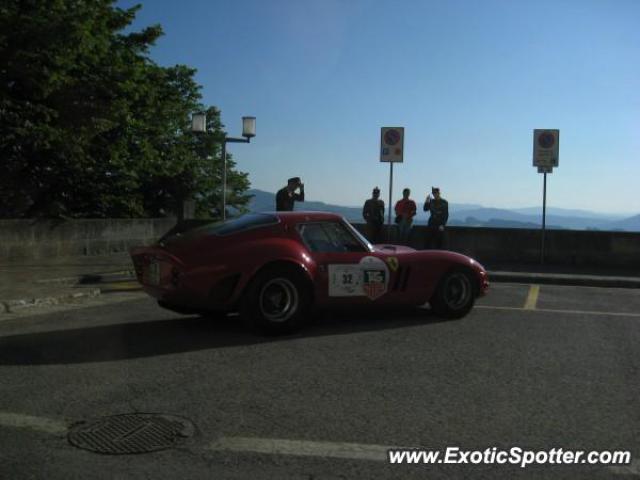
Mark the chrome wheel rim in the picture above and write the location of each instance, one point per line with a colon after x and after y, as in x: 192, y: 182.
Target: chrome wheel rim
x: 457, y: 291
x: 278, y: 300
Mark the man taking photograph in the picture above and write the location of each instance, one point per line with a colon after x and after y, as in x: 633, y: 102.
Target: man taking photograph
x: 287, y: 195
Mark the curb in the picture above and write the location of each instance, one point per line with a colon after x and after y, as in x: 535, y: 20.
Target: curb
x: 564, y: 279
x: 12, y: 306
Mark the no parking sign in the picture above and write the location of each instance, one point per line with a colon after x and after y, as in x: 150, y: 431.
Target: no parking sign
x: 546, y: 147
x: 391, y: 144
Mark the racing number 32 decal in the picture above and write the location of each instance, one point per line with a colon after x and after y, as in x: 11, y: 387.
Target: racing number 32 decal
x: 368, y: 278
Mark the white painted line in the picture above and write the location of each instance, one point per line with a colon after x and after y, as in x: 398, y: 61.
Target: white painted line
x: 276, y: 446
x: 40, y: 424
x: 550, y: 310
x: 632, y: 469
x: 532, y: 297
x: 100, y: 300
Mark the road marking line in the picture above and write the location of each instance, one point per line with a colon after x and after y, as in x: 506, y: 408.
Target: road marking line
x: 632, y: 469
x: 551, y: 310
x: 305, y: 448
x: 532, y: 297
x: 41, y: 424
x: 107, y: 287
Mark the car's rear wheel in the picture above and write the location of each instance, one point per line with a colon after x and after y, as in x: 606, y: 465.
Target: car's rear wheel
x: 455, y: 294
x: 277, y: 300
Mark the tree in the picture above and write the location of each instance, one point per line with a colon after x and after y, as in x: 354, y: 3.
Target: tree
x: 89, y: 125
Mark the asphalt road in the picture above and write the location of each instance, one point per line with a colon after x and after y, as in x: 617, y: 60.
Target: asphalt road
x: 531, y: 367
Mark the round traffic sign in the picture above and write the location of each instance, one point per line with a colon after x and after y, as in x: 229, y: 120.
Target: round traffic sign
x: 391, y: 137
x: 546, y: 140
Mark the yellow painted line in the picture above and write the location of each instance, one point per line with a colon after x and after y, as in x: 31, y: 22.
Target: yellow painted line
x: 41, y: 424
x: 532, y: 297
x: 105, y: 287
x: 551, y: 310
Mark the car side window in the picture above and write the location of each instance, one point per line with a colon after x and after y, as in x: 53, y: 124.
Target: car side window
x: 329, y: 237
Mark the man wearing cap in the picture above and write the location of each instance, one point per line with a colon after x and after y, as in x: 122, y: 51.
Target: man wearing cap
x: 373, y: 214
x: 439, y: 209
x: 287, y: 195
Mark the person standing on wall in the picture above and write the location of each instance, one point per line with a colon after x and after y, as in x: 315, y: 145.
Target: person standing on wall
x: 439, y: 209
x: 373, y: 214
x: 405, y: 211
x: 287, y: 195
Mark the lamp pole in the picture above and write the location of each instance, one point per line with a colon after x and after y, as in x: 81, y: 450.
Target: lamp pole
x: 199, y: 124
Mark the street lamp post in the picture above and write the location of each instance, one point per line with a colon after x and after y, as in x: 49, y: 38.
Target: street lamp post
x: 199, y: 124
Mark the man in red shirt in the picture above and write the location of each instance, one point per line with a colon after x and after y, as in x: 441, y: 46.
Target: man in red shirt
x: 405, y: 211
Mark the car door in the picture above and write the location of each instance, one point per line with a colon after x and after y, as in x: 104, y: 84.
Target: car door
x: 349, y: 271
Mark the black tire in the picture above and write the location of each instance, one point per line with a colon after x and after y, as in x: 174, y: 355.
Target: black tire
x: 277, y: 300
x: 455, y: 295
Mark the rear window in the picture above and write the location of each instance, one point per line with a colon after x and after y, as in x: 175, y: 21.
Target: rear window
x: 245, y: 222
x: 235, y: 225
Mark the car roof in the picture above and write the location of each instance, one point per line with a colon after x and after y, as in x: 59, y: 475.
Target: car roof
x: 306, y: 216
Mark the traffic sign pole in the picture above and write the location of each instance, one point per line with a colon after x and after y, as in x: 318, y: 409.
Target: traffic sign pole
x: 390, y: 200
x: 546, y: 147
x: 391, y: 151
x: 544, y: 215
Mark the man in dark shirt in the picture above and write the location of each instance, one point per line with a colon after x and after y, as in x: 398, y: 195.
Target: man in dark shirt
x: 286, y: 196
x: 373, y: 213
x: 439, y: 209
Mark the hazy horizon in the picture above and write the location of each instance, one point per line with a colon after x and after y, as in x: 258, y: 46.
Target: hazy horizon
x: 597, y: 212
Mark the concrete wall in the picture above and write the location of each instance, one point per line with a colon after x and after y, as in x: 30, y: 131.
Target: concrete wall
x: 29, y: 239
x: 37, y: 239
x: 516, y: 245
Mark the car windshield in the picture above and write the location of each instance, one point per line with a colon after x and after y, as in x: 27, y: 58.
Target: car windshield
x: 326, y: 237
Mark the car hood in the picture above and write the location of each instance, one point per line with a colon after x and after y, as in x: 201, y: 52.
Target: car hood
x: 391, y: 249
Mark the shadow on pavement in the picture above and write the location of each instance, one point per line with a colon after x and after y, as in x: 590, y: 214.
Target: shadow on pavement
x: 180, y: 335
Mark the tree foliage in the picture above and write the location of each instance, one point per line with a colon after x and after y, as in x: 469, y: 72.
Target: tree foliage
x: 90, y: 126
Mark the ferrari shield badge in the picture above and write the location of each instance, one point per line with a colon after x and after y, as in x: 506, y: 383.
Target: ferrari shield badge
x: 393, y: 263
x: 368, y: 278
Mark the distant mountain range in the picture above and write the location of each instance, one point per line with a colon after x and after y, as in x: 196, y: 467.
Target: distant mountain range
x: 478, y: 216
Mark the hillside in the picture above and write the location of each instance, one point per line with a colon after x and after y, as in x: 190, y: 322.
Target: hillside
x: 476, y: 216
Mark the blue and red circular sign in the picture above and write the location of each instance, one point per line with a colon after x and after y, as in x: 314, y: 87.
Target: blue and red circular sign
x: 391, y: 137
x: 546, y: 139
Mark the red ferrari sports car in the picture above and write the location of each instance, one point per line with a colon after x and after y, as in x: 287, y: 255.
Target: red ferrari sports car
x: 273, y: 268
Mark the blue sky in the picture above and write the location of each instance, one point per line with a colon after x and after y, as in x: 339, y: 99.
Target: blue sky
x: 469, y: 81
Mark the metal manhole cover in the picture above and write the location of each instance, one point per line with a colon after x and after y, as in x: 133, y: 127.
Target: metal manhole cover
x: 130, y: 433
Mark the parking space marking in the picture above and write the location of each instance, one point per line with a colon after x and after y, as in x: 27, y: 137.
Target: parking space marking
x: 532, y: 297
x: 304, y: 448
x: 41, y: 424
x: 120, y: 286
x: 269, y: 446
x: 553, y: 310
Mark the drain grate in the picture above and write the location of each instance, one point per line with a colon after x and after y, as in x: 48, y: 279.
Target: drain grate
x: 130, y: 433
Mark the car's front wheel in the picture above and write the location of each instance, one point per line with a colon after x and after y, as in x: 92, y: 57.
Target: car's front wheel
x: 455, y: 294
x: 277, y: 300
